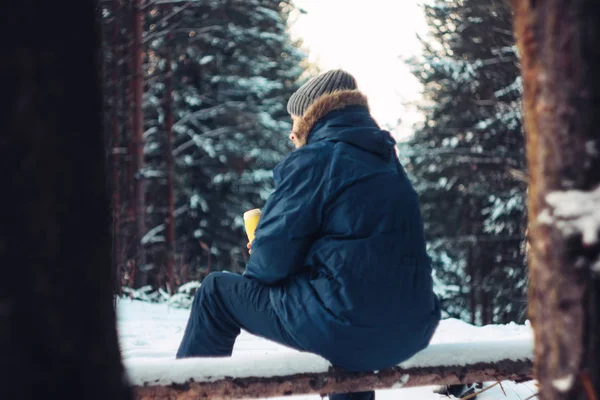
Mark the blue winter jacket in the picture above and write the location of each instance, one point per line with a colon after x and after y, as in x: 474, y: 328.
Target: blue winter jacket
x: 341, y: 244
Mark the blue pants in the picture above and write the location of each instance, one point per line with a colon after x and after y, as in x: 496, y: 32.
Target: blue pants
x: 227, y: 303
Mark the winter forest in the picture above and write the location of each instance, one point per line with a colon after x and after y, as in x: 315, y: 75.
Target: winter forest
x: 136, y: 133
x: 187, y: 165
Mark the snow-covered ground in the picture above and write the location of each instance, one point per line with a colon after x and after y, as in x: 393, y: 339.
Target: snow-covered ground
x: 150, y: 334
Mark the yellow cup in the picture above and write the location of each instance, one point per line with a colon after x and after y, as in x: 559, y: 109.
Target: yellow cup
x: 251, y: 218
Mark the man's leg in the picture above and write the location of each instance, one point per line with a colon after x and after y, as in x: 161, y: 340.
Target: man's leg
x: 223, y: 304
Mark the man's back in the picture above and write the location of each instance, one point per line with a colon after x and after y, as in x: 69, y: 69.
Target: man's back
x: 371, y: 232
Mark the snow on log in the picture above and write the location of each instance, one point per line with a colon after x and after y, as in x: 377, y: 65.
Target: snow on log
x: 336, y: 380
x: 292, y: 373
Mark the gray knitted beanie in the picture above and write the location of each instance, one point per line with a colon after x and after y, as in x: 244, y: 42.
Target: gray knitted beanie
x: 316, y: 87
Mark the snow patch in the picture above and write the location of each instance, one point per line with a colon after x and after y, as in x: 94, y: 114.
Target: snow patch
x: 455, y: 343
x: 565, y: 383
x: 403, y: 381
x: 212, y: 369
x: 545, y: 218
x: 184, y: 296
x: 206, y: 59
x: 596, y: 266
x: 591, y: 148
x: 574, y: 212
x: 152, y: 235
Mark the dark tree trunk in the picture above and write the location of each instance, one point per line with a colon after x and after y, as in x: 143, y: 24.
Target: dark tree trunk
x: 170, y: 222
x: 141, y: 276
x: 115, y: 152
x: 559, y: 41
x: 57, y: 323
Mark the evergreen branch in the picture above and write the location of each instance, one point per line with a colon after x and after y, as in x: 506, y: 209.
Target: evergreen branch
x: 504, y: 31
x: 158, y: 34
x: 172, y: 14
x: 475, y: 238
x: 156, y: 2
x: 208, y: 134
x: 205, y: 111
x: 474, y: 158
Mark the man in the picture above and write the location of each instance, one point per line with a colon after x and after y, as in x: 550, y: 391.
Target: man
x: 338, y: 266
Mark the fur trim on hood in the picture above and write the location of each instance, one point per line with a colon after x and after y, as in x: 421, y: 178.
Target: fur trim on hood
x: 324, y: 105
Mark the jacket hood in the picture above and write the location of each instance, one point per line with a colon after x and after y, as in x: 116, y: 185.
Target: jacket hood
x: 343, y: 116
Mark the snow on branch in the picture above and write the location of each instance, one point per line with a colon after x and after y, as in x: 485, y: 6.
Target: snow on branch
x: 155, y: 2
x: 152, y: 234
x: 197, y: 31
x: 207, y: 112
x: 515, y: 87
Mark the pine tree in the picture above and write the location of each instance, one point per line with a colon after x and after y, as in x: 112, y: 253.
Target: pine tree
x: 467, y: 160
x: 234, y: 66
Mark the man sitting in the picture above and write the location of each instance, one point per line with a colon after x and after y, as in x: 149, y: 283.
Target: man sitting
x: 338, y: 266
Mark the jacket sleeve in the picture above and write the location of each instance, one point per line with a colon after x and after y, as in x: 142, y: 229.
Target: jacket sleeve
x: 290, y: 220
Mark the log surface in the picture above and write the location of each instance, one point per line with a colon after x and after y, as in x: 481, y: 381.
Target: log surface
x: 337, y: 380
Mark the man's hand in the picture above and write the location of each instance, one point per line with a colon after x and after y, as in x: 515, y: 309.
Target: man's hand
x: 249, y: 246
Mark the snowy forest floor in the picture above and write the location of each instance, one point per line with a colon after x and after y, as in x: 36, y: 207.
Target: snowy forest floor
x: 149, y: 333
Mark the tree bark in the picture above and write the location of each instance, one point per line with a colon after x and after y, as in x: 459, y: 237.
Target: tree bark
x: 115, y: 153
x: 559, y: 42
x: 336, y: 381
x: 141, y: 276
x: 57, y: 323
x: 170, y: 222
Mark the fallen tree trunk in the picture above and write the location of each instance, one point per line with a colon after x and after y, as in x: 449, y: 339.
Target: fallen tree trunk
x: 337, y: 380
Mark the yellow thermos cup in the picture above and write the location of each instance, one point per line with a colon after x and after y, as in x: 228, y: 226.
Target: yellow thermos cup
x: 251, y: 218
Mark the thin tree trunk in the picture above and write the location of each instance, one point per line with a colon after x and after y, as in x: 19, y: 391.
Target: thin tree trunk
x: 472, y: 284
x: 559, y: 42
x: 57, y: 322
x: 141, y: 276
x: 115, y: 151
x: 170, y: 222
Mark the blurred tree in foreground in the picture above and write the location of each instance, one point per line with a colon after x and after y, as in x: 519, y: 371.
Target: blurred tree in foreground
x: 560, y: 45
x: 57, y: 323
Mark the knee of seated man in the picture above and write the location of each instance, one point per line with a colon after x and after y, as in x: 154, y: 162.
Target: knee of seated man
x: 208, y: 286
